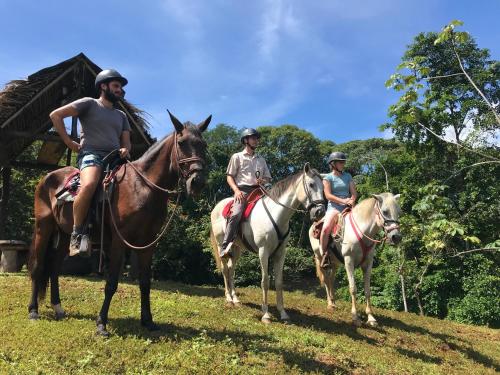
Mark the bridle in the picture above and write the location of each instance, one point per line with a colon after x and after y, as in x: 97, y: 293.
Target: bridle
x: 388, y: 224
x: 311, y: 202
x: 183, y: 176
x: 186, y: 173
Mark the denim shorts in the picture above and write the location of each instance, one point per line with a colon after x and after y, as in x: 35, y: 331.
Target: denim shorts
x: 335, y: 206
x: 89, y: 159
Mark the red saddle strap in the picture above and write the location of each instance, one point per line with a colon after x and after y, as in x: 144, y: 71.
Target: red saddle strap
x: 366, y: 249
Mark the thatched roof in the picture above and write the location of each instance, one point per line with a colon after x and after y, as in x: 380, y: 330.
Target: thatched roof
x: 25, y: 106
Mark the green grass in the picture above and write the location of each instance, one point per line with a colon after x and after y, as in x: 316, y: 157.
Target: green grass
x: 200, y: 335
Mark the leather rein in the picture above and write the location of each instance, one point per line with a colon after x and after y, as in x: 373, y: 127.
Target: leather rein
x: 184, y: 175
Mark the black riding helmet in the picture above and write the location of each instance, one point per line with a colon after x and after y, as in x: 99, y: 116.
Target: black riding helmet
x: 336, y: 156
x: 108, y: 75
x: 247, y: 133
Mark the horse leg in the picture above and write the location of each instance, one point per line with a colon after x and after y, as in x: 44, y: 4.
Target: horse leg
x: 329, y: 277
x: 145, y: 257
x: 279, y: 261
x: 367, y: 270
x: 39, y: 274
x: 264, y: 265
x: 349, y: 267
x: 115, y: 265
x: 227, y: 283
x: 232, y: 267
x: 59, y: 255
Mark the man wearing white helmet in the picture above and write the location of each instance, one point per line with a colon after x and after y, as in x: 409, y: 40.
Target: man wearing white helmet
x: 245, y: 172
x: 104, y: 129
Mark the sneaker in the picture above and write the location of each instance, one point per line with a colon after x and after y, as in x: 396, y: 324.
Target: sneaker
x: 74, y: 244
x: 226, y: 251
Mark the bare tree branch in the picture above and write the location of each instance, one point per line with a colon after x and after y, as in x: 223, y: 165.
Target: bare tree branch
x: 445, y: 76
x: 458, y: 144
x: 497, y: 117
x: 475, y: 250
x: 469, y: 166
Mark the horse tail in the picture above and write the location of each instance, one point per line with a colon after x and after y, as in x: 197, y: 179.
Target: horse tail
x: 215, y: 249
x: 39, y: 261
x: 319, y: 272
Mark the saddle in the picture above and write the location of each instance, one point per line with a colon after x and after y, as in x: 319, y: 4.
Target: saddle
x: 337, y: 230
x: 252, y: 200
x: 71, y: 187
x: 336, y: 237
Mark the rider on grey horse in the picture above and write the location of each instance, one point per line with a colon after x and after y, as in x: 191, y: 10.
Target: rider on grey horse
x: 245, y: 172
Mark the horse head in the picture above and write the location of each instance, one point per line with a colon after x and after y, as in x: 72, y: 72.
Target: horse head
x: 312, y: 193
x: 191, y: 153
x: 388, y: 215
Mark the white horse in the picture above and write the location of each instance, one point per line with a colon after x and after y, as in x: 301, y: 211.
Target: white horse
x: 358, y: 247
x: 266, y: 232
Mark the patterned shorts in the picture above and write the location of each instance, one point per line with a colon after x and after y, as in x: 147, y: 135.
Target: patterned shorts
x: 89, y: 159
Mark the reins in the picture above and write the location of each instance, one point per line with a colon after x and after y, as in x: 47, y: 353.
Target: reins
x: 360, y: 234
x: 183, y: 176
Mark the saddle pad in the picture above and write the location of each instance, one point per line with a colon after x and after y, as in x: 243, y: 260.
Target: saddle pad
x: 252, y: 200
x: 337, y: 228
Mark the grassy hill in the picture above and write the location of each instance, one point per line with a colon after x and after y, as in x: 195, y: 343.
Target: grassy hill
x: 200, y: 335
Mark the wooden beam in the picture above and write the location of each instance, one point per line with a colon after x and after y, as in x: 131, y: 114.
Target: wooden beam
x: 4, y: 200
x: 24, y: 164
x: 20, y: 110
x: 53, y: 137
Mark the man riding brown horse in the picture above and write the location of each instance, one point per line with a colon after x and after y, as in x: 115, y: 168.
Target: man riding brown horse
x: 104, y: 129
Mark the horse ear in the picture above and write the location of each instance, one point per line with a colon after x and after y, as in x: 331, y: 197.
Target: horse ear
x: 202, y: 126
x: 307, y: 167
x: 177, y: 124
x: 396, y: 197
x: 377, y: 197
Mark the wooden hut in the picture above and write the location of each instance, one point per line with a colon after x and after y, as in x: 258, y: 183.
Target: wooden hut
x: 25, y: 106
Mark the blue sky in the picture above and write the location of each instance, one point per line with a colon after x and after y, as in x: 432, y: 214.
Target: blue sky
x: 320, y: 65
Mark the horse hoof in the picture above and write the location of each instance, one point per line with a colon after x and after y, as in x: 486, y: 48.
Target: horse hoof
x: 266, y: 320
x: 237, y: 304
x: 372, y: 323
x: 33, y: 315
x: 286, y: 321
x: 330, y: 307
x: 229, y: 304
x: 60, y: 315
x: 102, y: 331
x: 150, y: 326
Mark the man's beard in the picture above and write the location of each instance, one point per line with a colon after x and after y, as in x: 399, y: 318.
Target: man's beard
x: 111, y: 96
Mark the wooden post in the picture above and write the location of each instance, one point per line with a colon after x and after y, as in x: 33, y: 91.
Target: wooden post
x: 73, y: 137
x: 4, y: 199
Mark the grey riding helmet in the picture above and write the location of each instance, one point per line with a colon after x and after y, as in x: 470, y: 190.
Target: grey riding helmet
x: 247, y: 133
x: 336, y: 156
x: 109, y: 75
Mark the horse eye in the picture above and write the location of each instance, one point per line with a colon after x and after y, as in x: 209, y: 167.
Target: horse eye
x: 311, y: 185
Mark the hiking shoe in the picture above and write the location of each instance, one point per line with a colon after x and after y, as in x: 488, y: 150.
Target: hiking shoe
x: 226, y: 251
x: 74, y: 244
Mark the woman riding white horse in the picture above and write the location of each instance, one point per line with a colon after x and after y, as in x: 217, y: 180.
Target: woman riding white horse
x: 266, y: 231
x: 357, y: 248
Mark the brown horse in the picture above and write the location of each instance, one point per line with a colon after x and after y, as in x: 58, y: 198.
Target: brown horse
x: 139, y: 206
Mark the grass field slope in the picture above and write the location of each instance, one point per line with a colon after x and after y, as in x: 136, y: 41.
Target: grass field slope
x: 200, y: 335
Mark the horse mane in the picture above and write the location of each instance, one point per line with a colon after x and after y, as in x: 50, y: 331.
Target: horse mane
x: 283, y: 185
x: 154, y: 148
x: 364, y: 208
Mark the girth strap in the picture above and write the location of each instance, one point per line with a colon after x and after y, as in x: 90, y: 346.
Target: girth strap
x: 281, y: 238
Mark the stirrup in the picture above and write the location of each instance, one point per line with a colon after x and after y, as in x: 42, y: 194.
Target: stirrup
x: 227, y: 251
x: 325, y: 260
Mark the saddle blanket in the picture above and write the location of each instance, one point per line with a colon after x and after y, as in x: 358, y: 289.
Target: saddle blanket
x: 338, y: 228
x: 252, y: 200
